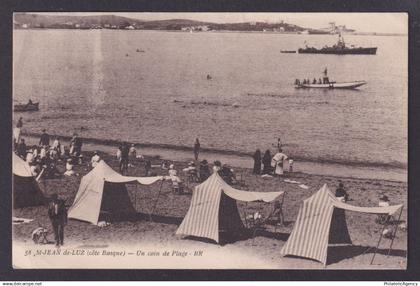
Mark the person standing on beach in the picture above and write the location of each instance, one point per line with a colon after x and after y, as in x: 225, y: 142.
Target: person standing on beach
x: 278, y: 161
x: 45, y: 139
x: 124, y: 157
x: 19, y: 123
x: 133, y: 155
x: 279, y: 144
x: 257, y: 162
x: 267, y: 163
x: 196, y: 148
x: 57, y: 213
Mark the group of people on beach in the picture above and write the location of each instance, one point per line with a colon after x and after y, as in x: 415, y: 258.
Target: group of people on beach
x: 43, y: 158
x: 271, y: 165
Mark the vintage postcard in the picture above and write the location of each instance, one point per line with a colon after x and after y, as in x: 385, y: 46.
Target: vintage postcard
x: 210, y: 140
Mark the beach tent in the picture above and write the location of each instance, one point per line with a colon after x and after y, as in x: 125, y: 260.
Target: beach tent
x: 104, y: 189
x: 26, y: 191
x: 321, y: 221
x: 213, y: 208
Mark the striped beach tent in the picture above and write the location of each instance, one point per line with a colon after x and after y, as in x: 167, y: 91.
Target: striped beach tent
x: 213, y: 209
x: 104, y: 190
x: 321, y: 221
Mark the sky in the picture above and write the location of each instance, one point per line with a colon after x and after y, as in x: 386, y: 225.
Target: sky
x: 361, y: 22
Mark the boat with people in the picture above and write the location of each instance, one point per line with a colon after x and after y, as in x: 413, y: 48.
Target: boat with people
x: 339, y: 49
x: 325, y: 83
x: 30, y: 106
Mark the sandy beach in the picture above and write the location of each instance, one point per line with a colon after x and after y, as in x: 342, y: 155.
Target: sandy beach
x: 263, y: 251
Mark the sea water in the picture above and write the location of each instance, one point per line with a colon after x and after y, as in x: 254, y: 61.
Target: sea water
x: 152, y: 87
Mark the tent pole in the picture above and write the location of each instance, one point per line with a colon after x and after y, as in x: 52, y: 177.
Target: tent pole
x: 135, y: 197
x: 377, y: 246
x: 157, y: 199
x: 394, y: 232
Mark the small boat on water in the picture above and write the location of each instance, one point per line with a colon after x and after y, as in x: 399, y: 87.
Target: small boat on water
x: 339, y: 49
x: 30, y: 106
x: 325, y: 83
x: 333, y: 84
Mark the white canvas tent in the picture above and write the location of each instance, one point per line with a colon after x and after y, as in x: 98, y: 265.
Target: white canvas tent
x: 321, y: 221
x: 103, y: 189
x: 213, y: 208
x: 26, y: 191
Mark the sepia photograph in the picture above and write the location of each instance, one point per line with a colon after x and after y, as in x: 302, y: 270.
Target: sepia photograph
x: 151, y: 140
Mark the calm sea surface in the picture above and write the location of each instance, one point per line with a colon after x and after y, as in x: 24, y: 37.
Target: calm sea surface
x: 95, y: 82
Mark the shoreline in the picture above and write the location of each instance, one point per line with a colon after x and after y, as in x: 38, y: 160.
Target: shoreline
x: 235, y: 158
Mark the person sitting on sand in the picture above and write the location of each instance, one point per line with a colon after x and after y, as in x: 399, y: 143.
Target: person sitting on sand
x: 69, y: 168
x: 204, y: 171
x: 384, y: 201
x: 95, y: 159
x: 29, y: 156
x: 172, y: 171
x: 43, y: 153
x: 227, y: 174
x: 165, y: 165
x: 217, y: 166
x: 291, y: 161
x: 266, y: 163
x: 341, y: 193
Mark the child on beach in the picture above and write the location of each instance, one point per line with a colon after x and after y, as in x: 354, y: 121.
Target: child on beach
x: 290, y: 165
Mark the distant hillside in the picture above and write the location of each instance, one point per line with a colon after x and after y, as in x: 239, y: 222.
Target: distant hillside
x: 58, y: 21
x: 27, y: 20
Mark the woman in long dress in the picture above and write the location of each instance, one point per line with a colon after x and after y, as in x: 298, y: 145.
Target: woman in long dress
x: 278, y: 162
x: 267, y: 163
x: 257, y: 162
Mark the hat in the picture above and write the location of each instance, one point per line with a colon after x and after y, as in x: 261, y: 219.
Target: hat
x: 171, y: 166
x: 384, y: 198
x: 217, y: 163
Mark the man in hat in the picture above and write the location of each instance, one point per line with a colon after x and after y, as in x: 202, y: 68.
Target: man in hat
x: 45, y: 139
x: 57, y: 213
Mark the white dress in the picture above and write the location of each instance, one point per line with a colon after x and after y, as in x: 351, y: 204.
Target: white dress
x: 278, y: 160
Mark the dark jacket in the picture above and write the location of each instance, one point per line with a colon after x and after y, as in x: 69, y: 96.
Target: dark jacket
x: 44, y: 140
x: 57, y: 211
